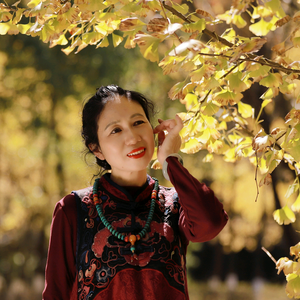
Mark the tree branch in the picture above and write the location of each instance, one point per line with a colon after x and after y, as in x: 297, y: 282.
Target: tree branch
x: 252, y: 57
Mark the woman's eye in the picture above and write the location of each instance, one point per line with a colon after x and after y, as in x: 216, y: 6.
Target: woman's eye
x: 116, y: 130
x: 139, y: 122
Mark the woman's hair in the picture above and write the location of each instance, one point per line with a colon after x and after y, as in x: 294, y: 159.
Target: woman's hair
x: 94, y: 106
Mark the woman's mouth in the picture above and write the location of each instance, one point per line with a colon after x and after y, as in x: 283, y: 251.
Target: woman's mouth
x: 137, y: 153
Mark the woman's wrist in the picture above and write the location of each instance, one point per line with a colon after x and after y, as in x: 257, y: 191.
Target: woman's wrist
x: 165, y: 164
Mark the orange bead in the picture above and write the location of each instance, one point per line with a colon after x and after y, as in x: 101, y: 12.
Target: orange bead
x: 132, y: 239
x: 138, y: 237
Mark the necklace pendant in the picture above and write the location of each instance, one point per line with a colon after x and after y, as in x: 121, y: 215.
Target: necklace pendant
x: 134, y: 257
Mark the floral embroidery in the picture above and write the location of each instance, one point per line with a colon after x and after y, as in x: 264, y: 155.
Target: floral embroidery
x: 103, y: 274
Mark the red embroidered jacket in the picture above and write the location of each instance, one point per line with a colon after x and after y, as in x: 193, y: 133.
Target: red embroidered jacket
x: 86, y: 262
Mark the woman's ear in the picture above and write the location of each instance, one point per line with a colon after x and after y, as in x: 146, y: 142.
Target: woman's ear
x: 97, y: 151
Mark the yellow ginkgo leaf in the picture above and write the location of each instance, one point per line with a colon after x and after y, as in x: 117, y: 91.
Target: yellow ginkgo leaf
x: 210, y: 109
x: 191, y: 146
x: 156, y: 165
x: 104, y: 43
x: 117, y: 40
x: 4, y: 27
x: 214, y: 146
x: 295, y: 250
x: 238, y: 21
x: 148, y: 46
x: 225, y: 97
x: 259, y: 71
x: 190, y: 100
x: 275, y: 7
x: 196, y: 26
x: 208, y: 157
x: 284, y: 216
x: 293, y: 286
x: 296, y: 205
x: 176, y: 92
x: 272, y: 80
x: 284, y: 264
x: 261, y: 28
x: 235, y: 82
x: 130, y: 24
x: 245, y: 110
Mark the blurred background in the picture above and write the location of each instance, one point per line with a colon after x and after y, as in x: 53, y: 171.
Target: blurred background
x: 42, y: 159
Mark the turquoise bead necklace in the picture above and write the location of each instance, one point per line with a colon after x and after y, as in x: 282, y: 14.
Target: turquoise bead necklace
x: 126, y: 238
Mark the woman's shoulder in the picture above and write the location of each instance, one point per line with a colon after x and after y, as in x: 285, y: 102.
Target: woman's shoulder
x: 68, y: 204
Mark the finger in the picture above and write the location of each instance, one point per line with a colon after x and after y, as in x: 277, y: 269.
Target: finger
x: 157, y: 129
x: 161, y: 137
x: 179, y: 123
x: 160, y: 127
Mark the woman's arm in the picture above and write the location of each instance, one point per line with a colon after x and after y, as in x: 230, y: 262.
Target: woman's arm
x: 202, y: 216
x: 61, y: 261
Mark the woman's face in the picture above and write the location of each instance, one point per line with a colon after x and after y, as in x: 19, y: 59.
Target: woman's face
x: 125, y: 137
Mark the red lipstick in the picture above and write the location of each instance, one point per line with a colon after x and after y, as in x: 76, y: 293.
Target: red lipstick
x: 137, y: 153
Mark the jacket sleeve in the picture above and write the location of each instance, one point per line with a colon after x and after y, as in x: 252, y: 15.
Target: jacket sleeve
x: 61, y: 262
x: 202, y: 216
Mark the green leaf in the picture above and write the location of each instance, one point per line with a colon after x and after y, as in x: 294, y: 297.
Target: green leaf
x: 95, y: 5
x: 260, y: 72
x: 276, y: 8
x: 197, y: 26
x: 148, y: 46
x: 210, y: 109
x: 284, y: 216
x: 245, y: 110
x: 272, y: 80
x: 235, y: 82
x: 212, y: 83
x: 293, y: 148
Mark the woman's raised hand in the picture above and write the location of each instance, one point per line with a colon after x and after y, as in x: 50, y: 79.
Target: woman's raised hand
x: 168, y: 143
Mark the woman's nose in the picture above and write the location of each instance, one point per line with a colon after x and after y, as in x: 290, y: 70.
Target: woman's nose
x: 132, y: 137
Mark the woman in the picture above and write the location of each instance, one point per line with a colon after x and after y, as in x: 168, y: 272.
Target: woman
x: 126, y: 237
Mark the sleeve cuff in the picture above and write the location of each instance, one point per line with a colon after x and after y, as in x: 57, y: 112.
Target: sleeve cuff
x: 165, y: 165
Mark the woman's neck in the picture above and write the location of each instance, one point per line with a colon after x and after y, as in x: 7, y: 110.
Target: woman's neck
x: 130, y: 179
